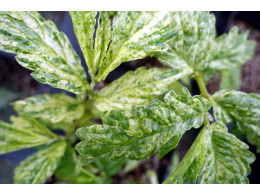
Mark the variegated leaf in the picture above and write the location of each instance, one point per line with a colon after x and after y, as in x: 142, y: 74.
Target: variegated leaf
x: 84, y: 27
x: 192, y: 163
x: 51, y: 108
x: 25, y: 132
x: 231, y: 51
x: 38, y: 167
x: 215, y: 157
x: 137, y: 87
x: 134, y: 36
x: 138, y: 133
x: 194, y: 44
x: 41, y: 47
x: 240, y: 109
x: 227, y: 158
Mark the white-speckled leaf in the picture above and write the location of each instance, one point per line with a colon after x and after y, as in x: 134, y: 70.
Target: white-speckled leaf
x: 94, y: 44
x: 192, y: 163
x: 215, y: 157
x: 227, y: 158
x: 193, y: 46
x: 36, y: 168
x: 41, y: 47
x: 240, y: 109
x: 25, y: 132
x: 231, y: 51
x: 138, y: 133
x: 137, y: 87
x: 51, y: 108
x: 134, y: 36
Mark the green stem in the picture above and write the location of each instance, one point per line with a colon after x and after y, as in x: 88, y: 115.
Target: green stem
x: 202, y: 86
x: 204, y: 92
x: 206, y: 120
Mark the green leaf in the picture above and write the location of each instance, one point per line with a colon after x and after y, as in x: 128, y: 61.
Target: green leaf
x: 42, y: 48
x: 230, y: 79
x: 231, y: 51
x: 193, y: 46
x: 25, y: 132
x: 38, y: 167
x: 52, y: 109
x: 227, y: 158
x: 110, y: 167
x: 138, y: 133
x: 84, y: 27
x: 240, y: 109
x: 134, y: 36
x: 70, y: 170
x: 215, y: 157
x: 137, y: 87
x: 192, y: 163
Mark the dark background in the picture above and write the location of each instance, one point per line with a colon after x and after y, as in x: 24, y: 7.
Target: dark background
x: 16, y: 83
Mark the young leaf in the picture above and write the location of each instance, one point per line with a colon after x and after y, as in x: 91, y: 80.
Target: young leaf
x: 138, y: 133
x: 134, y: 36
x: 191, y: 165
x: 137, y: 87
x: 215, y: 157
x: 227, y: 159
x: 25, y: 132
x: 240, y: 109
x: 231, y: 51
x: 231, y: 78
x: 84, y: 27
x: 38, y: 167
x: 42, y: 48
x: 51, y: 108
x: 193, y: 46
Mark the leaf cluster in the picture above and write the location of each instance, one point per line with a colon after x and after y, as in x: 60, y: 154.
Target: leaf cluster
x: 136, y: 121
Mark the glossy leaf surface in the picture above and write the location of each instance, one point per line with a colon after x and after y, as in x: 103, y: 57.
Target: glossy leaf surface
x: 138, y: 133
x: 215, y: 157
x: 41, y: 47
x: 192, y: 163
